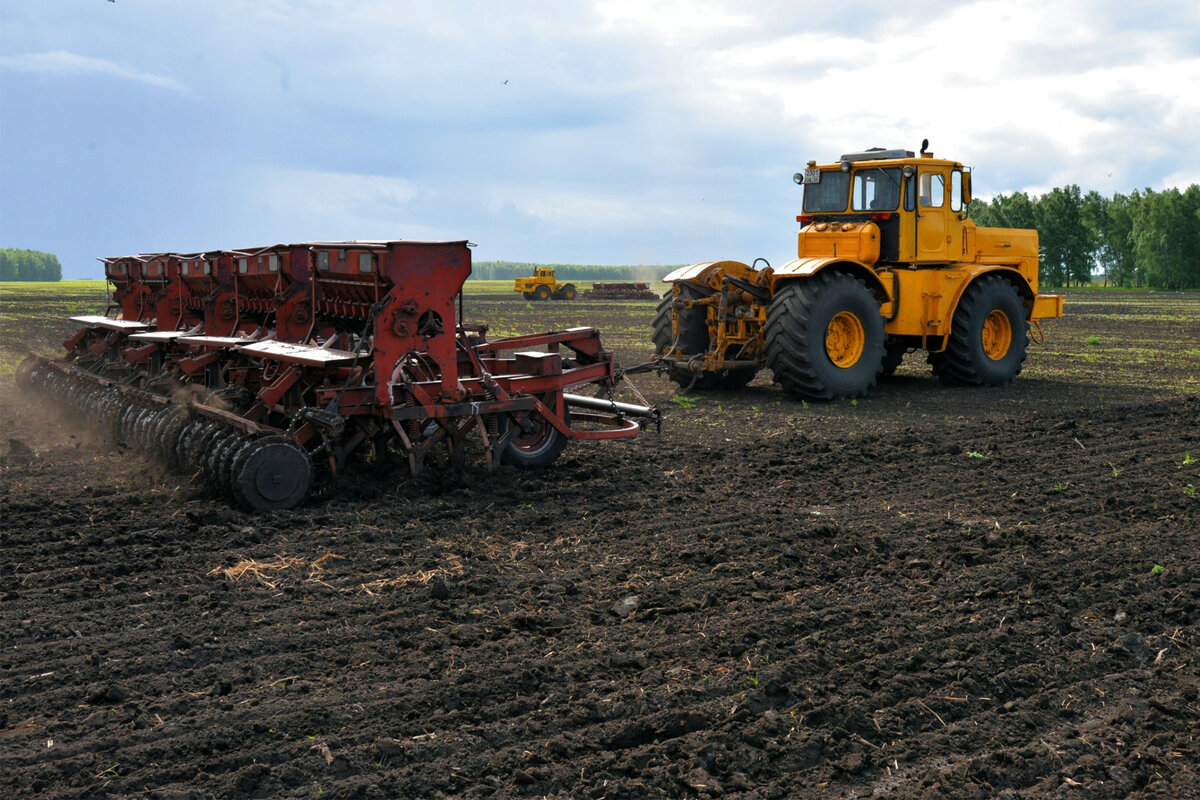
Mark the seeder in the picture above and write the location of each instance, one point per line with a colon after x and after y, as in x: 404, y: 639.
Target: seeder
x: 265, y: 369
x: 620, y: 291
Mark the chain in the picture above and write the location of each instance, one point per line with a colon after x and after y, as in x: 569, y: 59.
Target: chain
x: 641, y: 398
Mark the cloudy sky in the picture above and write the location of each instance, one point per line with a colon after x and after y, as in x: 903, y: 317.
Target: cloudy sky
x: 576, y: 131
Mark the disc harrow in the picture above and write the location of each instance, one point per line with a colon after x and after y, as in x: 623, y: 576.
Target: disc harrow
x: 262, y: 371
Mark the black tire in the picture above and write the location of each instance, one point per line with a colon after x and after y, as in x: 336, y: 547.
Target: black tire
x: 804, y: 321
x: 527, y: 295
x: 988, y: 336
x: 660, y: 331
x: 541, y: 292
x: 567, y: 292
x: 893, y: 355
x: 271, y: 474
x: 693, y: 339
x: 538, y: 448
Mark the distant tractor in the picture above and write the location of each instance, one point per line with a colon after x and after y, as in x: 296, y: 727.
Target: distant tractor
x: 887, y: 262
x: 543, y: 286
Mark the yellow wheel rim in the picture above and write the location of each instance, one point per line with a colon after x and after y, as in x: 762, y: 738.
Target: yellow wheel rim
x: 997, y: 335
x: 844, y: 339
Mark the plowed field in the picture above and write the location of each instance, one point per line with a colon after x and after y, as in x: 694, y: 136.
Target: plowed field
x: 931, y: 592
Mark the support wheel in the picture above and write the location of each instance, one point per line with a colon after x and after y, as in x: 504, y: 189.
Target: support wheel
x: 541, y: 293
x: 824, y: 337
x: 988, y: 336
x: 539, y: 447
x: 271, y: 474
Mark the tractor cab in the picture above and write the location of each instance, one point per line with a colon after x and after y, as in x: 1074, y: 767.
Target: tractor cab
x: 885, y: 207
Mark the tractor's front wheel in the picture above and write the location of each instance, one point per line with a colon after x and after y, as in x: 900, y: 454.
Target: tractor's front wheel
x: 988, y: 336
x: 824, y: 337
x: 542, y: 292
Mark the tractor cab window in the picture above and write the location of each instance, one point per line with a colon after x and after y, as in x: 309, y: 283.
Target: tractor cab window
x: 956, y: 190
x: 933, y: 190
x: 829, y: 194
x: 876, y: 189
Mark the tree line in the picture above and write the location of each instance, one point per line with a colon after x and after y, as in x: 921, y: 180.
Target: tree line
x: 1143, y: 239
x: 28, y: 265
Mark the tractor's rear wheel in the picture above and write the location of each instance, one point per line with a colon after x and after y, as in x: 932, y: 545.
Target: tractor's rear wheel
x: 538, y: 447
x: 541, y: 293
x: 567, y: 292
x: 824, y: 337
x: 893, y: 355
x: 660, y: 333
x: 692, y: 340
x: 988, y: 336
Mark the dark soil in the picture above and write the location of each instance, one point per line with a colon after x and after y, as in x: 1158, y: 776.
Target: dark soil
x: 932, y: 592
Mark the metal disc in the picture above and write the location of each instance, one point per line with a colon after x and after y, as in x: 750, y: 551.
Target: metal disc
x: 270, y: 474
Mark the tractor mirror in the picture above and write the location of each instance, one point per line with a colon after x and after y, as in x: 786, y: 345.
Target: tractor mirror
x: 966, y: 187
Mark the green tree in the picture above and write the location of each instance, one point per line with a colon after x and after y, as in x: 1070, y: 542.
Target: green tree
x: 1115, y: 236
x: 28, y: 265
x: 1017, y: 210
x: 1066, y: 240
x: 984, y: 213
x: 1191, y: 236
x: 1161, y: 228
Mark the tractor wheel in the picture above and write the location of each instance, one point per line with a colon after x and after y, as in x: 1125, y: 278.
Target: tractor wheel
x: 824, y: 337
x: 539, y: 447
x: 988, y: 336
x: 692, y: 339
x: 271, y: 474
x: 567, y: 292
x: 527, y: 295
x: 542, y: 292
x: 893, y: 355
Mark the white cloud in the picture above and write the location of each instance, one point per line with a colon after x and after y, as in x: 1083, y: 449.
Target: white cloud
x: 60, y: 62
x: 672, y: 21
x: 336, y: 200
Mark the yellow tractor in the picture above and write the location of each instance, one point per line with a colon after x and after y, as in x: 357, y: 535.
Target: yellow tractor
x: 543, y: 286
x: 887, y: 262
